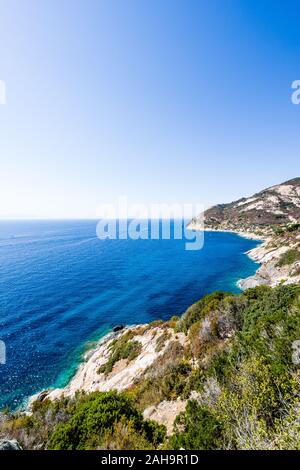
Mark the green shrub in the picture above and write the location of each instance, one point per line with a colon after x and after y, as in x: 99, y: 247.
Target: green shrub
x: 200, y: 309
x: 196, y: 429
x: 257, y: 378
x: 289, y: 257
x: 98, y: 414
x: 122, y: 348
x: 293, y: 227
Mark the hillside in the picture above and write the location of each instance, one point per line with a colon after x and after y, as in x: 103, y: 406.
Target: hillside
x: 272, y: 215
x: 273, y: 206
x: 223, y: 376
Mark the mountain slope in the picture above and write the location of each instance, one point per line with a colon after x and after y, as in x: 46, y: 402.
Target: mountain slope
x: 272, y: 215
x: 274, y: 206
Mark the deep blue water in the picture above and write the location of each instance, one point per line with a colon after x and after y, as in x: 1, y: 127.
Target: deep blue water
x: 60, y: 287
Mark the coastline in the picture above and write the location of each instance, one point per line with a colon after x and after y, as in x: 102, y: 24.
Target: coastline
x: 267, y: 254
x: 43, y: 393
x: 123, y: 375
x: 85, y: 373
x: 241, y: 233
x: 255, y: 279
x: 126, y: 374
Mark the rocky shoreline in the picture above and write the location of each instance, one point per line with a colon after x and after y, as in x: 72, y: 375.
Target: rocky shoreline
x: 267, y: 254
x: 154, y: 342
x: 124, y: 374
x: 153, y: 362
x: 273, y: 216
x: 272, y: 272
x: 242, y: 233
x: 155, y: 339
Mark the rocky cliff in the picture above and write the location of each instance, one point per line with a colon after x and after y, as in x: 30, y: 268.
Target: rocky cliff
x: 225, y: 375
x: 272, y: 207
x: 273, y: 215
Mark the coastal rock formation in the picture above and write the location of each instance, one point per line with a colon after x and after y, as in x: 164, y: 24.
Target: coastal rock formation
x: 279, y: 257
x: 153, y: 341
x: 273, y: 206
x: 160, y: 348
x: 6, y: 444
x: 273, y: 216
x: 165, y: 412
x: 215, y: 378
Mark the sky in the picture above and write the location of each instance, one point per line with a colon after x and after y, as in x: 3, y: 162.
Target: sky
x: 163, y: 101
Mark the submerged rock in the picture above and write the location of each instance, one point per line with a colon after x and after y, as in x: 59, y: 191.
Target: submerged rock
x: 118, y: 328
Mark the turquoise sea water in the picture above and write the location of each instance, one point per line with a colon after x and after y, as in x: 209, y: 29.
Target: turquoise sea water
x: 61, y: 287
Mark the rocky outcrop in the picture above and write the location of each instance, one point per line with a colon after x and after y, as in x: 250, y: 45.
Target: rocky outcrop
x: 124, y: 372
x: 156, y: 340
x: 165, y: 412
x: 272, y: 215
x: 273, y: 271
x: 6, y: 444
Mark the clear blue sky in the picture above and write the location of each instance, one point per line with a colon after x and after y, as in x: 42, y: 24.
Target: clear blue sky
x: 164, y: 101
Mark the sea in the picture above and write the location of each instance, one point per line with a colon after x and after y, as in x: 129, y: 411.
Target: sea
x: 62, y: 289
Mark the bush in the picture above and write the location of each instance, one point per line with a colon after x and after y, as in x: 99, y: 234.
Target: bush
x: 200, y: 309
x: 196, y: 429
x: 293, y: 227
x: 289, y: 257
x: 97, y: 415
x: 257, y: 379
x: 122, y: 348
x: 124, y: 436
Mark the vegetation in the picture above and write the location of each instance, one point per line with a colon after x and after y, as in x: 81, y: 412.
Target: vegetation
x: 283, y: 229
x: 161, y: 340
x: 84, y: 422
x: 201, y: 429
x: 98, y: 416
x: 289, y: 257
x: 248, y: 391
x: 200, y: 309
x: 164, y: 380
x: 122, y: 348
x: 238, y: 369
